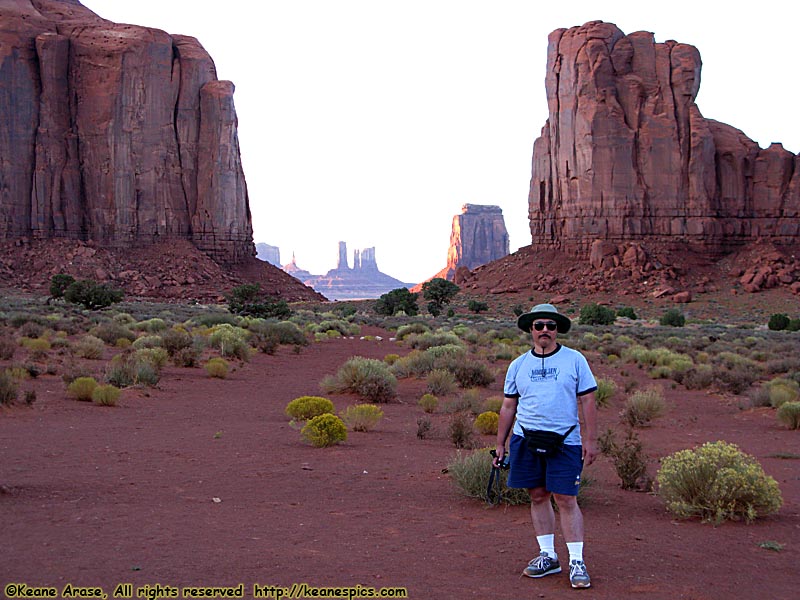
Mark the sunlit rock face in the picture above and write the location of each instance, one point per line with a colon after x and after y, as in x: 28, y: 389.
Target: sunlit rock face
x: 626, y: 156
x: 117, y: 134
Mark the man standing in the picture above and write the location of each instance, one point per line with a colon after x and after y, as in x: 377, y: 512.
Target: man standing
x: 543, y: 389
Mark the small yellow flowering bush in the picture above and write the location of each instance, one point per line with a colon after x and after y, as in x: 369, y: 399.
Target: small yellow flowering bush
x: 428, y: 403
x: 308, y: 407
x: 486, y: 422
x: 717, y: 482
x: 217, y: 367
x: 324, y: 430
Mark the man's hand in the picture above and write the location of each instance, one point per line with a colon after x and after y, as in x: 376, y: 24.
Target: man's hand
x: 590, y: 452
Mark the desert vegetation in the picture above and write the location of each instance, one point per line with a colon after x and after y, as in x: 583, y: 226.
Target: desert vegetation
x: 459, y: 361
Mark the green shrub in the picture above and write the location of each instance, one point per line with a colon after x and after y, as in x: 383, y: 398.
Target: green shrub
x: 175, y: 339
x: 106, y: 395
x: 38, y: 347
x: 643, y: 406
x: 782, y: 390
x: 440, y: 382
x: 428, y: 403
x: 486, y: 423
x: 324, y: 430
x: 8, y: 388
x: 186, y: 357
x: 362, y: 417
x: 627, y: 311
x: 413, y: 364
x: 82, y: 389
x: 398, y: 300
x: 596, y: 314
x: 672, y: 318
x: 153, y: 325
x: 469, y: 472
x: 111, y: 331
x: 217, y: 367
x: 147, y: 341
x: 477, y: 306
x: 699, y: 377
x: 429, y: 339
x: 406, y: 330
x: 91, y: 295
x: 132, y: 369
x: 606, y: 388
x: 308, y: 407
x: 789, y: 414
x: 368, y: 377
x: 248, y: 300
x: 155, y: 356
x: 439, y: 292
x: 717, y: 482
x: 471, y: 373
x: 230, y: 341
x: 59, y: 284
x: 778, y: 322
x: 90, y: 347
x: 268, y: 335
x: 390, y: 359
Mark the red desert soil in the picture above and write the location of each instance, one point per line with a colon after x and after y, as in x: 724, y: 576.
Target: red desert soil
x: 97, y: 496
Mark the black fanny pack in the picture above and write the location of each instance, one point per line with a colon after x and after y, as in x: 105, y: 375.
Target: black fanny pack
x: 545, y: 443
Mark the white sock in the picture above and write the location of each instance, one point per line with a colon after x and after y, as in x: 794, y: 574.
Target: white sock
x: 547, y: 544
x: 575, y: 551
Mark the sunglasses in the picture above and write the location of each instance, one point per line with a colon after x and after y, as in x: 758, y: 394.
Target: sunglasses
x: 538, y: 326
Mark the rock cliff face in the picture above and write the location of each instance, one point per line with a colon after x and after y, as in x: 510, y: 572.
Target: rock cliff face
x: 625, y: 156
x: 117, y: 134
x: 478, y: 237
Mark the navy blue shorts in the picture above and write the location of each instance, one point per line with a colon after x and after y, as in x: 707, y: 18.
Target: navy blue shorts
x: 560, y: 473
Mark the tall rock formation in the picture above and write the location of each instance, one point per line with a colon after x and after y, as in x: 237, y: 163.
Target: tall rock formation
x: 117, y: 134
x: 478, y: 236
x: 625, y: 155
x: 364, y: 280
x: 268, y: 253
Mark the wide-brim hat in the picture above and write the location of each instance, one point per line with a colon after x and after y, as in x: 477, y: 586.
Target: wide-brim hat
x: 544, y: 311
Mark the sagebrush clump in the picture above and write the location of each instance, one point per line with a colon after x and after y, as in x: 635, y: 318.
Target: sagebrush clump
x: 325, y: 430
x: 82, y: 389
x: 717, y: 482
x: 308, y: 407
x: 368, y: 377
x: 643, y: 406
x: 789, y: 414
x: 362, y: 417
x: 470, y: 471
x: 106, y: 395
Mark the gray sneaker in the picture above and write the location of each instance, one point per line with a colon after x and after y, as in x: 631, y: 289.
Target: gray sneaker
x: 542, y: 565
x: 578, y: 577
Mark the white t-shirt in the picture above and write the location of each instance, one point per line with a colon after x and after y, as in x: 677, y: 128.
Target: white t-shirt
x: 547, y: 387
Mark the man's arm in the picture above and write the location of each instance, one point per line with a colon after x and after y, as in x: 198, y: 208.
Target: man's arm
x: 507, y: 414
x: 589, y: 428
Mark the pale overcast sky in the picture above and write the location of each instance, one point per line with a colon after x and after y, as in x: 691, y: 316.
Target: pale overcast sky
x: 372, y: 122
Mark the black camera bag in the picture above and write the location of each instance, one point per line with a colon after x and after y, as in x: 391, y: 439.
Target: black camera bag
x: 545, y: 443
